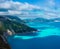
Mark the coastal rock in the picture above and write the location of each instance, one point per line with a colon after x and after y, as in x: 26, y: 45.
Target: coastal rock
x: 3, y: 43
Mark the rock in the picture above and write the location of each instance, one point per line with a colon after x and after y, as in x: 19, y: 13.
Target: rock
x: 4, y: 44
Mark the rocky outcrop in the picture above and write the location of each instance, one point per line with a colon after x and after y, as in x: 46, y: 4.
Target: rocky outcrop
x: 3, y: 43
x: 10, y: 26
x: 16, y: 25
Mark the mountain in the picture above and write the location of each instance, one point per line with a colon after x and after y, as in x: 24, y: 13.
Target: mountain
x: 56, y: 20
x: 13, y: 24
x: 15, y: 18
x: 36, y: 20
x: 42, y: 20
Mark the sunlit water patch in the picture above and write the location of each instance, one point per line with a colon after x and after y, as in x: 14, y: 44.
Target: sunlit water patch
x: 45, y: 30
x: 43, y: 33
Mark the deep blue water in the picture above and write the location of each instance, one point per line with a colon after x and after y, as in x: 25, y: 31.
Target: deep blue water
x: 47, y: 38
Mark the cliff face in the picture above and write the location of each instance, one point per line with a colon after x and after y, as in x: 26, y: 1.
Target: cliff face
x: 4, y: 44
x: 10, y: 25
x: 15, y: 24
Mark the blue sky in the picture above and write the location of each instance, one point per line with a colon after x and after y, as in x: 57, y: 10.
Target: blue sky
x: 32, y: 1
x: 32, y: 8
x: 38, y: 2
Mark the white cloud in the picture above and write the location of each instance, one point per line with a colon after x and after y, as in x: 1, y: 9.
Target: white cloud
x: 50, y: 10
x: 18, y: 8
x: 27, y: 6
x: 13, y: 12
x: 18, y: 5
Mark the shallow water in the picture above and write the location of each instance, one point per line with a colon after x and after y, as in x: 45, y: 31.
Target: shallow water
x: 47, y: 38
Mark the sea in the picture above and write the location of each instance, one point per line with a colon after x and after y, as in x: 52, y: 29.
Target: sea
x: 47, y: 37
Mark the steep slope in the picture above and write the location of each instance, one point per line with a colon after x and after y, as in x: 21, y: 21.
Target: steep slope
x: 13, y: 24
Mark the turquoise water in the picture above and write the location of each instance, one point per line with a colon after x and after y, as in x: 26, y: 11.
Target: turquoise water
x: 43, y: 33
x: 45, y: 30
x: 48, y: 37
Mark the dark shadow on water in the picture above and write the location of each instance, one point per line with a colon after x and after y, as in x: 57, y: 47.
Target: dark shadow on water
x: 50, y: 42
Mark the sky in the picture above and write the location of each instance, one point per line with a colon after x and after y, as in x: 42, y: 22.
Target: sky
x: 31, y: 8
